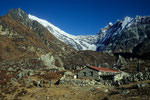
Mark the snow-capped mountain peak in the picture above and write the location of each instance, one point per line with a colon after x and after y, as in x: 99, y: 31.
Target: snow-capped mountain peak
x: 107, y: 39
x: 126, y: 22
x: 77, y: 42
x: 111, y: 30
x: 110, y: 23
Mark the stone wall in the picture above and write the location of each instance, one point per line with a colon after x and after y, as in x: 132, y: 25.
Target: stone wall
x: 88, y: 73
x: 78, y: 82
x: 125, y: 79
x: 132, y: 78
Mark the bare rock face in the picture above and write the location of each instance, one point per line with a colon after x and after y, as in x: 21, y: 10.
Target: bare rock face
x: 19, y: 15
x: 48, y: 60
x: 130, y: 35
x: 121, y: 61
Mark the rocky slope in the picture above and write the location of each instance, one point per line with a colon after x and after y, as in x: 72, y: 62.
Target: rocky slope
x: 129, y: 35
x: 49, y: 40
x: 23, y: 40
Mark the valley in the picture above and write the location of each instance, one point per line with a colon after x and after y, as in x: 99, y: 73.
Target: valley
x: 33, y: 49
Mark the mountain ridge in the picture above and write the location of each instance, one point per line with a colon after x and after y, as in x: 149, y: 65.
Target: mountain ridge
x: 74, y: 41
x: 136, y: 30
x: 97, y: 42
x: 33, y: 42
x: 24, y: 34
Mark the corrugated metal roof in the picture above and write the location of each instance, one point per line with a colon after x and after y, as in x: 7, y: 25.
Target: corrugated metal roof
x: 102, y: 69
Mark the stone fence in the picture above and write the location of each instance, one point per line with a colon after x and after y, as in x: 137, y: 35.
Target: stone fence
x: 123, y: 80
x: 132, y: 78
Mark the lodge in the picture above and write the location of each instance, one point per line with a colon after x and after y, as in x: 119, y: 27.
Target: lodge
x: 97, y: 73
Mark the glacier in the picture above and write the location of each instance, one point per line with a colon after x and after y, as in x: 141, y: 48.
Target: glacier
x: 87, y: 42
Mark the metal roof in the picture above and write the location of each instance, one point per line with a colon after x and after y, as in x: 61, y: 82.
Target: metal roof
x: 102, y: 69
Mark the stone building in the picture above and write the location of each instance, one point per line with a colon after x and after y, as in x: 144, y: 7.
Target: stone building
x: 97, y: 73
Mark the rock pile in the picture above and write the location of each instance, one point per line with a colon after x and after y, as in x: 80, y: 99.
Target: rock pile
x: 78, y: 82
x: 67, y: 79
x: 132, y: 78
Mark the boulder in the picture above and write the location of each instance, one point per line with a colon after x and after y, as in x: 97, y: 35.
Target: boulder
x: 30, y: 73
x: 11, y: 69
x: 48, y: 60
x: 142, y: 85
x: 123, y: 92
x: 20, y: 74
x: 120, y: 76
x: 121, y: 61
x: 47, y: 97
x: 106, y: 90
x: 27, y: 81
x: 13, y: 79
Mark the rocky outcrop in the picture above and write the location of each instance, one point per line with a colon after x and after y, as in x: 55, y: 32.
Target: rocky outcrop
x: 48, y: 60
x: 121, y: 62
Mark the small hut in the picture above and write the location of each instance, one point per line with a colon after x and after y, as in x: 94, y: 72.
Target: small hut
x: 97, y: 73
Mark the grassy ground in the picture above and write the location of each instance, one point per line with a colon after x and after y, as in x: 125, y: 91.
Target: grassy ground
x: 55, y: 92
x: 21, y: 91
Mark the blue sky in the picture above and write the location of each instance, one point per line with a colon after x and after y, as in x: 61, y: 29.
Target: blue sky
x: 79, y: 17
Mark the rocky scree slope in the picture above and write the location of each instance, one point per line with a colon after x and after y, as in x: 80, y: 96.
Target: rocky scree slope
x: 23, y: 39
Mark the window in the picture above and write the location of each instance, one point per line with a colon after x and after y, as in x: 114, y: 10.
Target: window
x: 84, y: 73
x: 91, y: 73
